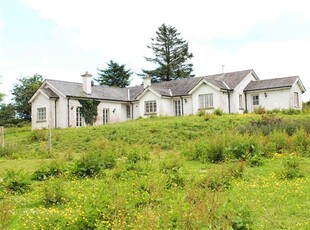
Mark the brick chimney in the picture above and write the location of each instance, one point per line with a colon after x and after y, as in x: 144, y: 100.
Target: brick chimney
x: 146, y: 81
x: 87, y: 83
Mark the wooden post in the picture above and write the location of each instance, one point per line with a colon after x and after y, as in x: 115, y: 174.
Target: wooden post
x: 49, y: 138
x: 2, y: 136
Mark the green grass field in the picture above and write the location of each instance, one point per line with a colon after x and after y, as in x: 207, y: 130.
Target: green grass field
x: 196, y: 172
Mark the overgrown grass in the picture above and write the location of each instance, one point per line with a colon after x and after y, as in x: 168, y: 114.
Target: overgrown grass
x: 220, y: 172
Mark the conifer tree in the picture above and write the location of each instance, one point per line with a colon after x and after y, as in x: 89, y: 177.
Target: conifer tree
x: 171, y: 56
x: 115, y: 75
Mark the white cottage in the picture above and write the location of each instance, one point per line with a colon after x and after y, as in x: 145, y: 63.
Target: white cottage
x: 56, y: 103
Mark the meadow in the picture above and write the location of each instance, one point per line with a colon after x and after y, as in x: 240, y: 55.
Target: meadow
x: 197, y: 172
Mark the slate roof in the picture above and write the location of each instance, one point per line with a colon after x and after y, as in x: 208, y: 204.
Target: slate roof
x: 226, y: 81
x: 271, y: 83
x: 49, y: 93
x: 232, y: 79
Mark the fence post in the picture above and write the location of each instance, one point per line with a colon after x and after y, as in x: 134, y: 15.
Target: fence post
x: 2, y: 136
x: 49, y: 139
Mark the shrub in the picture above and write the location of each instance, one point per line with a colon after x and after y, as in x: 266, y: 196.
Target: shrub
x: 92, y: 164
x: 278, y: 141
x: 38, y: 135
x: 170, y: 166
x: 207, y: 116
x: 301, y: 142
x: 291, y: 111
x: 259, y: 110
x: 201, y: 112
x: 291, y: 169
x: 54, y: 194
x: 218, y: 112
x: 46, y: 171
x: 16, y: 181
x: 215, y: 151
x: 241, y: 219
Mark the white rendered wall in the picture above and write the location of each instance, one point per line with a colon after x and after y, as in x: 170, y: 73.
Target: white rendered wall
x: 234, y: 96
x: 220, y: 99
x: 149, y: 96
x: 40, y: 102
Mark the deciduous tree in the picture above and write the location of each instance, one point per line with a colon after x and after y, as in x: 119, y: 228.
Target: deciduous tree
x: 22, y: 92
x: 171, y: 56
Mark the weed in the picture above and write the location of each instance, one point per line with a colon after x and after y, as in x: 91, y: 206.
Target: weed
x: 259, y: 110
x: 218, y: 112
x: 7, y: 211
x: 291, y: 169
x: 54, y: 194
x: 16, y: 182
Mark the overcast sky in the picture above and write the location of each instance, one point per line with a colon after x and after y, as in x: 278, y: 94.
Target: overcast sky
x: 61, y: 39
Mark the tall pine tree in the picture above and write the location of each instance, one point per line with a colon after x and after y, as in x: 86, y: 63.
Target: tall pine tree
x: 115, y: 75
x: 171, y: 56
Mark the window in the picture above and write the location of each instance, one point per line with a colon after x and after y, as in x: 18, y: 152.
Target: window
x: 296, y: 99
x: 150, y: 106
x: 255, y: 99
x: 78, y: 117
x: 206, y: 100
x: 106, y: 116
x: 240, y: 101
x: 177, y: 107
x: 41, y: 114
x: 128, y: 111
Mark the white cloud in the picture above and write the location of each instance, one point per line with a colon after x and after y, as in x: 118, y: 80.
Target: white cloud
x: 120, y: 30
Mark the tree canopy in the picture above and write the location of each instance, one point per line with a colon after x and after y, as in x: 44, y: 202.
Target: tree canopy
x: 114, y: 75
x: 171, y: 56
x: 1, y: 95
x: 22, y: 93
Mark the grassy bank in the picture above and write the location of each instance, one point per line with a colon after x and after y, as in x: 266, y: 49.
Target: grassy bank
x: 230, y: 171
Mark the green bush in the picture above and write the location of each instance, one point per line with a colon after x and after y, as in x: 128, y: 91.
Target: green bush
x: 291, y: 169
x: 201, y: 112
x: 54, y: 194
x: 16, y: 182
x: 39, y: 135
x: 218, y: 112
x: 46, y: 171
x: 92, y: 164
x: 301, y: 142
x: 216, y: 150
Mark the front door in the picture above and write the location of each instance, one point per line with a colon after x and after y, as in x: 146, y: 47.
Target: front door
x: 106, y: 116
x: 177, y: 107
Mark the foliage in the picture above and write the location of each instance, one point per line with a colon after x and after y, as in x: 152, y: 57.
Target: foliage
x: 218, y: 112
x: 44, y: 172
x: 1, y: 96
x: 259, y: 110
x: 150, y: 180
x: 89, y: 110
x: 54, y: 194
x: 16, y: 182
x: 291, y: 169
x: 201, y: 113
x: 92, y: 164
x: 7, y: 114
x: 171, y: 55
x: 6, y: 213
x: 115, y: 75
x: 22, y: 93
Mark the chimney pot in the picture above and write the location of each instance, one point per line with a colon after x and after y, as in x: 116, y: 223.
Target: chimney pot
x: 87, y: 82
x: 147, y: 81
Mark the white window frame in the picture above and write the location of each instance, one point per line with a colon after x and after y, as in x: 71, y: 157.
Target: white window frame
x: 177, y: 107
x: 205, y: 101
x: 105, y: 116
x: 255, y: 100
x: 128, y: 111
x: 150, y: 107
x: 296, y: 99
x: 41, y: 114
x: 240, y: 101
x: 78, y: 117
